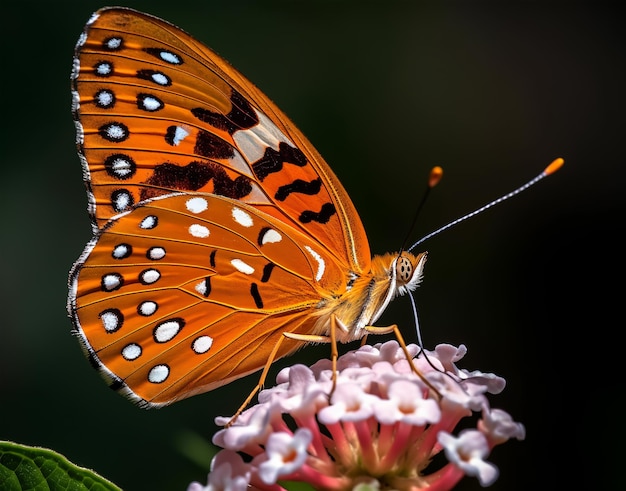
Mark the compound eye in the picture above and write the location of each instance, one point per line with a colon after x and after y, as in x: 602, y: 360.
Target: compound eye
x: 404, y: 269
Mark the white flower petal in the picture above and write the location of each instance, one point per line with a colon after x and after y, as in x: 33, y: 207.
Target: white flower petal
x: 285, y: 454
x: 467, y: 452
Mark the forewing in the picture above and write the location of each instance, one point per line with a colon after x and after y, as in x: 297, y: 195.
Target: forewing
x: 156, y: 112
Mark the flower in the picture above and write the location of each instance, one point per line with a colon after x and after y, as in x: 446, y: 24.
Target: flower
x: 228, y: 473
x: 379, y: 429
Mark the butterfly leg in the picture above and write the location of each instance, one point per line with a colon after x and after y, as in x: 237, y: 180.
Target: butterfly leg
x: 305, y: 338
x: 334, y: 352
x: 259, y: 385
x: 332, y: 339
x: 393, y: 328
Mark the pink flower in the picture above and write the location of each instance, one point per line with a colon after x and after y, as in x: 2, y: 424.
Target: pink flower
x: 379, y: 430
x: 284, y: 454
x: 228, y: 473
x: 467, y: 453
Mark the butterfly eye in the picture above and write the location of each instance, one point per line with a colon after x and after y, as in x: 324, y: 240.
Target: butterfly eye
x: 404, y: 269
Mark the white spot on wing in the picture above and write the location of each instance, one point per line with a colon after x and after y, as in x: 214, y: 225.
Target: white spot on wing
x: 150, y: 276
x: 75, y: 69
x: 104, y: 68
x: 93, y: 18
x: 151, y: 104
x: 156, y: 253
x: 180, y: 134
x: 111, y: 281
x: 170, y: 57
x: 110, y: 321
x: 201, y: 288
x: 160, y: 78
x: 271, y: 237
x: 105, y: 98
x: 254, y: 141
x: 242, y: 218
x: 116, y: 132
x: 158, y: 374
x: 121, y: 167
x: 131, y: 351
x: 114, y: 43
x: 242, y: 267
x: 202, y: 344
x: 75, y: 101
x: 149, y: 222
x: 166, y: 331
x: 122, y: 200
x: 199, y: 231
x: 147, y: 308
x: 81, y: 39
x: 80, y: 133
x: 120, y: 251
x: 321, y: 265
x: 197, y: 205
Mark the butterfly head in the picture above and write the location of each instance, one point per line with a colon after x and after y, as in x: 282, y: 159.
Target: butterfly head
x: 407, y: 271
x: 393, y: 274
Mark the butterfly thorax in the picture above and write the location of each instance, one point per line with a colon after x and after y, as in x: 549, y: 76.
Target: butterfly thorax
x: 368, y: 294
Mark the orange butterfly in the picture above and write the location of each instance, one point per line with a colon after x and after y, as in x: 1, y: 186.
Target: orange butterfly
x: 222, y: 239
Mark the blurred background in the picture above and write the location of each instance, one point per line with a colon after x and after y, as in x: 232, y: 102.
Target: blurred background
x: 491, y: 91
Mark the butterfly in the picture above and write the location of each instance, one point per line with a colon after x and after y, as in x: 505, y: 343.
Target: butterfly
x: 222, y: 239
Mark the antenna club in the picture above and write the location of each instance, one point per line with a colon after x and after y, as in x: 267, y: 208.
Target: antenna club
x: 555, y: 165
x: 436, y: 174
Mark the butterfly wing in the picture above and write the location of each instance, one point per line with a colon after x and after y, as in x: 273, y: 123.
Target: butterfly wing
x: 187, y: 292
x: 156, y: 112
x: 218, y: 227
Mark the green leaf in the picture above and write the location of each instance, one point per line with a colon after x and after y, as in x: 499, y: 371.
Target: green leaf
x: 24, y: 468
x: 296, y: 486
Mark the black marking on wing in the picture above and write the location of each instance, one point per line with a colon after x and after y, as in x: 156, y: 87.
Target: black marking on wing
x: 299, y: 186
x: 212, y: 146
x: 328, y: 210
x: 192, y: 177
x: 272, y: 161
x: 116, y: 384
x: 254, y: 291
x: 267, y: 271
x: 212, y: 258
x: 242, y: 116
x: 207, y: 286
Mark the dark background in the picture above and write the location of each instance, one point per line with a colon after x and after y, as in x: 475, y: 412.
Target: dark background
x: 490, y: 91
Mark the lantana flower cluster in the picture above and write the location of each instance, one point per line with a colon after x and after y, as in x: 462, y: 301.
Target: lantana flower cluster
x: 380, y: 429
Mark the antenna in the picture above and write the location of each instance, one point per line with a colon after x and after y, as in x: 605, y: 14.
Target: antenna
x: 436, y: 173
x: 550, y: 169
